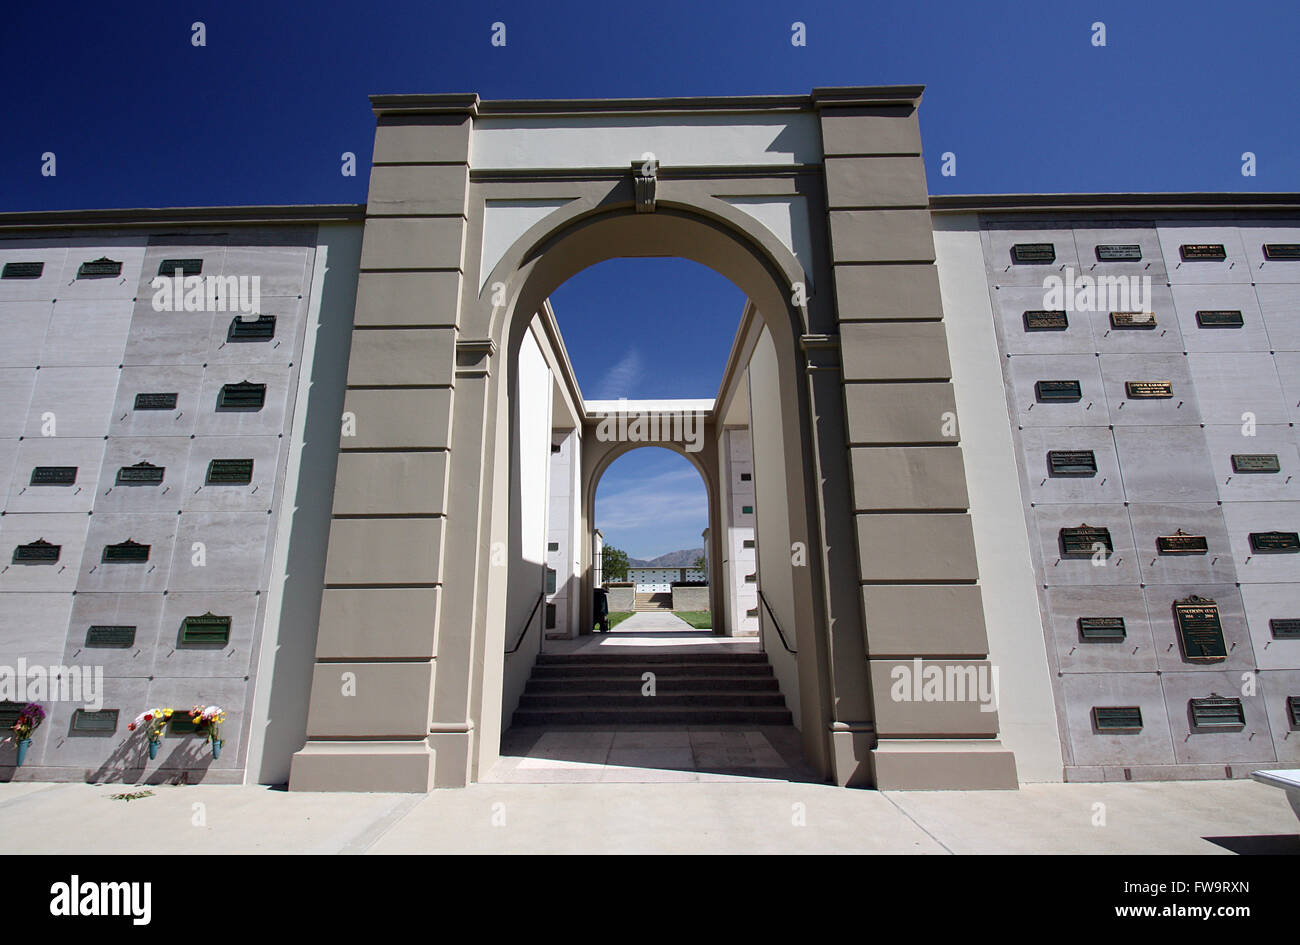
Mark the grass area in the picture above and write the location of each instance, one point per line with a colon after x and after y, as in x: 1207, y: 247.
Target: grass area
x: 618, y: 616
x: 699, y: 619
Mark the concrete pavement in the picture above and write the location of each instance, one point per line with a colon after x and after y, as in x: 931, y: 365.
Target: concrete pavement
x: 1209, y: 817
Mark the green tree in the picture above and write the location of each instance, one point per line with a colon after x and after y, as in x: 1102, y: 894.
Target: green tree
x: 699, y: 562
x: 613, y: 564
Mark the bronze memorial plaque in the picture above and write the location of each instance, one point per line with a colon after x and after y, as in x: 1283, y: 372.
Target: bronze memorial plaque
x: 1119, y: 252
x: 1219, y: 318
x: 1034, y: 252
x: 1049, y: 391
x: 1078, y: 542
x: 1274, y: 542
x: 1149, y: 390
x: 1071, y: 463
x: 1132, y: 319
x: 1285, y: 628
x: 1102, y: 629
x: 1213, y: 251
x: 1256, y: 463
x: 1181, y: 543
x: 1200, y: 632
x: 1282, y: 250
x: 1046, y: 320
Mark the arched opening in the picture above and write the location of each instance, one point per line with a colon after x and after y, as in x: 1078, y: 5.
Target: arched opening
x: 531, y: 401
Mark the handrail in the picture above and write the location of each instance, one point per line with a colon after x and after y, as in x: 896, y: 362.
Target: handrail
x: 775, y: 622
x: 527, y: 623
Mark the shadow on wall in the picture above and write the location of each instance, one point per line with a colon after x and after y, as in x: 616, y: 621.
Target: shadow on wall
x: 290, y: 663
x: 186, y: 763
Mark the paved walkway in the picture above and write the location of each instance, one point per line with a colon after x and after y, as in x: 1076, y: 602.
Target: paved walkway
x: 1215, y: 817
x: 657, y: 632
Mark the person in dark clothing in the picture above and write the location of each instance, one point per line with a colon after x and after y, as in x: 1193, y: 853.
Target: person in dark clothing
x: 600, y: 609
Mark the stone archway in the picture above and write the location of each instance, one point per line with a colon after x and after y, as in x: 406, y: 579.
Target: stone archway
x: 816, y: 207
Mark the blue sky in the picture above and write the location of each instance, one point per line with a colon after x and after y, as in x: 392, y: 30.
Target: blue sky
x: 138, y: 116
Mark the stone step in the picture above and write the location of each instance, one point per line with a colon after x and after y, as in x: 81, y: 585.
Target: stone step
x: 552, y: 659
x: 663, y: 684
x: 601, y: 701
x: 661, y: 670
x: 680, y: 715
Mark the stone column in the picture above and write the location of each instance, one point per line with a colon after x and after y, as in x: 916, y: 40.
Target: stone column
x: 373, y: 686
x: 916, y: 554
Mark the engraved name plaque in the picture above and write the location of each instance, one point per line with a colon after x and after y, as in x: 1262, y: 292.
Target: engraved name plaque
x: 1274, y: 542
x: 242, y: 396
x: 1046, y: 320
x: 1200, y: 632
x: 1182, y: 543
x: 1256, y: 463
x: 228, y: 472
x: 54, y: 476
x: 39, y: 551
x: 1034, y: 253
x: 187, y: 267
x: 1057, y: 391
x: 1119, y: 252
x: 100, y: 268
x: 1149, y: 390
x: 1102, y: 629
x: 1117, y: 720
x: 1132, y: 319
x: 1282, y: 250
x: 261, y: 328
x: 1219, y: 318
x: 155, y: 401
x: 87, y: 722
x: 144, y: 473
x: 23, y: 270
x: 1284, y: 628
x: 1203, y: 251
x: 127, y: 552
x: 116, y: 637
x: 1078, y: 542
x: 205, y: 629
x: 1071, y: 463
x: 1216, y: 712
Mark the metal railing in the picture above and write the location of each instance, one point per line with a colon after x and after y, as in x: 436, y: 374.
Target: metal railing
x: 527, y: 623
x: 775, y: 623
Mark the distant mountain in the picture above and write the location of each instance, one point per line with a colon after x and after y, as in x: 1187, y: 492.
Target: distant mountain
x: 684, y: 558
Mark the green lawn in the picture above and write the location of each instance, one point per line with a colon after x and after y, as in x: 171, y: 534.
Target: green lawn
x: 699, y: 619
x: 617, y: 617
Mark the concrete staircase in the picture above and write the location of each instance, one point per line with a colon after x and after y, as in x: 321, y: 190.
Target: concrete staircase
x: 690, y: 689
x: 646, y: 601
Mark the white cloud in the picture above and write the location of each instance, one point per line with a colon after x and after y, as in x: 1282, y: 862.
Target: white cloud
x: 621, y: 377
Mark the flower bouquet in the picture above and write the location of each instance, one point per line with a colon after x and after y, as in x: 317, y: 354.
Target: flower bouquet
x: 156, y: 721
x: 209, y: 719
x: 31, y: 716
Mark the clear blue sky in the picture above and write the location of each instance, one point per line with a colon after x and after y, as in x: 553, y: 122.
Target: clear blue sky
x: 138, y: 116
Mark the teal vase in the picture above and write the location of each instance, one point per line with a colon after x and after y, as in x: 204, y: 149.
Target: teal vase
x: 153, y: 749
x: 23, y: 745
x: 216, y: 748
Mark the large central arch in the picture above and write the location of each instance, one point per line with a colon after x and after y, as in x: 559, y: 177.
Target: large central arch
x: 712, y: 233
x: 816, y: 207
